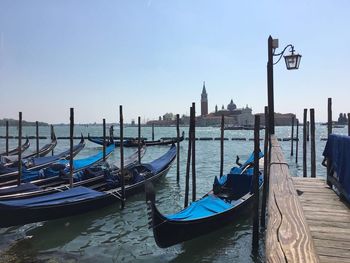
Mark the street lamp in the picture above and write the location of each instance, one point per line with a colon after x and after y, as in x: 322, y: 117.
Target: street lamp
x: 292, y: 62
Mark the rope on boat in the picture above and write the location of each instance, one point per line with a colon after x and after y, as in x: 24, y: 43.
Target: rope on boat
x: 116, y: 195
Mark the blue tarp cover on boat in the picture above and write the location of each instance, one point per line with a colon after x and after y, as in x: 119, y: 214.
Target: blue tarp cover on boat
x: 157, y: 165
x: 79, y: 164
x: 68, y: 196
x: 85, y: 162
x: 49, y: 159
x: 338, y: 151
x: 207, y: 206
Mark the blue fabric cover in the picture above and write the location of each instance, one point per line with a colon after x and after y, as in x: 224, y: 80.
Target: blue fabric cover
x: 62, y: 167
x: 88, y: 161
x: 68, y: 196
x: 159, y: 164
x: 338, y: 151
x: 207, y: 206
x: 49, y: 159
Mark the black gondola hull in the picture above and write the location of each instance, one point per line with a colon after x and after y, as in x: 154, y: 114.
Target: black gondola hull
x: 20, y: 216
x: 169, y: 232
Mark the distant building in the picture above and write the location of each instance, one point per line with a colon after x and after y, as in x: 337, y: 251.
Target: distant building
x: 233, y: 116
x: 204, y: 101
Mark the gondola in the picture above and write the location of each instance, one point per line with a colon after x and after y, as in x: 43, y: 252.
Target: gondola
x: 8, y: 160
x: 37, y: 163
x: 59, y: 169
x: 15, y: 151
x: 81, y: 199
x: 57, y: 179
x: 133, y: 142
x: 231, y: 196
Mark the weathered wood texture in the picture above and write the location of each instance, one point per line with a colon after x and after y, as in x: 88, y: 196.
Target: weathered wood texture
x: 328, y: 218
x: 288, y: 237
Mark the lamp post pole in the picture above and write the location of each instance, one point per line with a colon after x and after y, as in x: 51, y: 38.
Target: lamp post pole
x: 271, y: 121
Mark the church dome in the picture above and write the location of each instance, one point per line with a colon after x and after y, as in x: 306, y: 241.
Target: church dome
x: 231, y: 106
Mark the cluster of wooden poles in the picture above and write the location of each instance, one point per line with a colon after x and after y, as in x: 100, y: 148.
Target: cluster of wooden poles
x: 309, y: 135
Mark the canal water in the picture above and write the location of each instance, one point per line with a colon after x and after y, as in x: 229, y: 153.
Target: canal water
x: 114, y: 235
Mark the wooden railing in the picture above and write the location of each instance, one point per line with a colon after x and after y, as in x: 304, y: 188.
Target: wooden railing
x: 288, y: 237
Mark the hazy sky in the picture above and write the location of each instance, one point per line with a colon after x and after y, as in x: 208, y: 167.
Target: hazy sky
x: 152, y: 56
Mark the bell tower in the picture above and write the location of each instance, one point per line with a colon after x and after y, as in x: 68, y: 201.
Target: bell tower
x: 204, y: 101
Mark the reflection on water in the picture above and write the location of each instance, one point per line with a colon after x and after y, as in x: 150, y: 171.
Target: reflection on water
x: 114, y: 235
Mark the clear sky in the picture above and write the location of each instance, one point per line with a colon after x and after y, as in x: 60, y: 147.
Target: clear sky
x: 151, y: 56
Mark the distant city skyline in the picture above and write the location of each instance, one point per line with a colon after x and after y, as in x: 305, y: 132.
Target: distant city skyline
x: 152, y: 57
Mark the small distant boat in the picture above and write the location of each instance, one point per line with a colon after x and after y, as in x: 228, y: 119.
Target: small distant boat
x: 78, y: 200
x: 134, y: 141
x: 15, y: 151
x: 231, y: 195
x: 244, y: 127
x: 338, y: 126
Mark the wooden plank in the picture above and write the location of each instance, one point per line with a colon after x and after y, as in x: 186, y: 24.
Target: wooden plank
x: 331, y: 244
x: 329, y: 259
x: 288, y: 237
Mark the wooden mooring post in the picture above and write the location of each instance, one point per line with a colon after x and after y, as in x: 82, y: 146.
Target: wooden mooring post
x: 19, y: 148
x: 256, y: 183
x: 313, y: 144
x: 193, y: 152
x: 139, y: 139
x: 37, y: 137
x: 7, y: 137
x: 266, y: 178
x: 71, y: 135
x: 292, y: 137
x: 304, y: 143
x: 288, y: 237
x: 52, y: 137
x: 121, y: 138
x: 152, y: 131
x: 348, y: 124
x: 329, y: 131
x: 297, y: 143
x: 104, y: 139
x: 178, y: 148
x: 222, y: 145
x: 188, y: 164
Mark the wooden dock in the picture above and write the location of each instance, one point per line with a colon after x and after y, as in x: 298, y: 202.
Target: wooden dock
x: 307, y: 221
x: 328, y: 218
